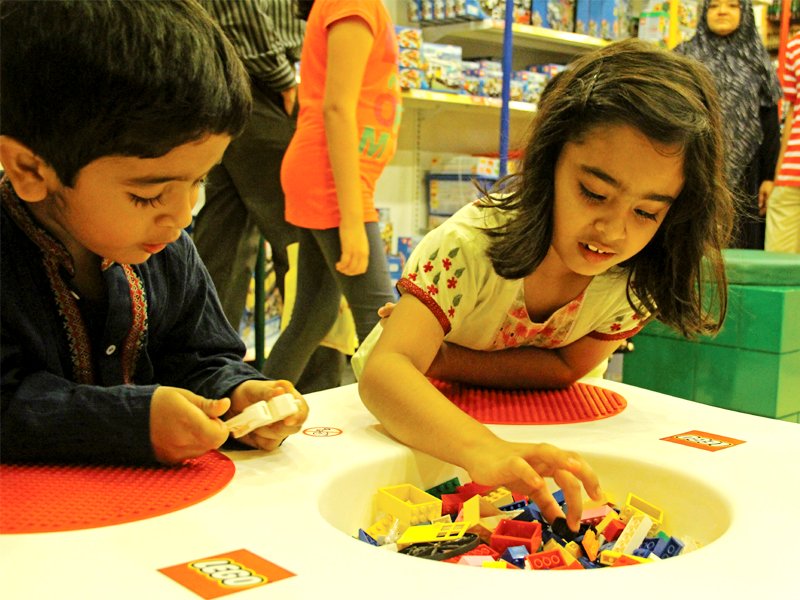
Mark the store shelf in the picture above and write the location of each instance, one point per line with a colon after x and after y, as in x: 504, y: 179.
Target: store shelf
x: 555, y: 45
x: 429, y: 100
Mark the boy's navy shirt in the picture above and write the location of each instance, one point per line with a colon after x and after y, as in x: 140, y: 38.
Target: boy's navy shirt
x: 189, y: 344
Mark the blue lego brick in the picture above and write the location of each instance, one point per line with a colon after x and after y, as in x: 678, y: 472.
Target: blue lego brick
x: 365, y: 537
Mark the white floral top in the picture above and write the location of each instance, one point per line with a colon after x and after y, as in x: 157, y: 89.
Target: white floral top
x: 451, y: 274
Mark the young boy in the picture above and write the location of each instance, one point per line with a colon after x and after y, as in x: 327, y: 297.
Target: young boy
x: 114, y: 345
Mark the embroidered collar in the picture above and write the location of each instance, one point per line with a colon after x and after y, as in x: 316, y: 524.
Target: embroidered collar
x: 58, y: 264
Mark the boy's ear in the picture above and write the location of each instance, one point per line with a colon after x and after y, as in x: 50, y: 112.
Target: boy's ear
x: 30, y: 175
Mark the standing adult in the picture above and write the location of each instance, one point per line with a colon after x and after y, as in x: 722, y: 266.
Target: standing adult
x: 783, y: 208
x: 346, y: 134
x: 728, y: 43
x: 243, y: 194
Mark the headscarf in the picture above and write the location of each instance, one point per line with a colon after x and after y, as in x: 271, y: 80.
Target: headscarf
x: 745, y: 80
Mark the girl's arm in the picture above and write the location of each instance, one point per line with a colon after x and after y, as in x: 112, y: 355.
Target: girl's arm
x: 526, y: 367
x: 394, y: 388
x: 349, y: 45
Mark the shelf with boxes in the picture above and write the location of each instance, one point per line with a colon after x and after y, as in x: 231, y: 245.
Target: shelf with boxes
x: 446, y: 115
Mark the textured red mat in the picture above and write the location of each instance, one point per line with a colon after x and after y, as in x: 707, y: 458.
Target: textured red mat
x: 575, y: 404
x: 44, y: 498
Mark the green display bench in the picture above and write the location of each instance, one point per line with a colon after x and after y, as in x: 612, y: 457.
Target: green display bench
x: 753, y: 364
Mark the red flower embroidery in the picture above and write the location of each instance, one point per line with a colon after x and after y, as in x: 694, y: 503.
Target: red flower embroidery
x: 520, y: 312
x: 433, y: 290
x: 548, y: 331
x: 446, y: 263
x: 412, y: 276
x: 616, y: 327
x: 451, y: 311
x: 428, y: 267
x: 451, y: 283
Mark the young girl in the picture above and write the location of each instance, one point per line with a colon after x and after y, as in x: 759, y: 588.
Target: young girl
x: 619, y: 203
x: 346, y: 134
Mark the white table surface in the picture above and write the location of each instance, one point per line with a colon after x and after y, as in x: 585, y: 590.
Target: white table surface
x: 299, y: 506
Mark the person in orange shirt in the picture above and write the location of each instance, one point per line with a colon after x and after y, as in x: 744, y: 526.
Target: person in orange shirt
x: 346, y: 134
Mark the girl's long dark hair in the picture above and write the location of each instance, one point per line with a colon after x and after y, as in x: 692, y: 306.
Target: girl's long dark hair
x: 672, y: 100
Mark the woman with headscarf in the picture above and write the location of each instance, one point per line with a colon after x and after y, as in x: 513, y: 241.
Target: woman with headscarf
x: 728, y: 43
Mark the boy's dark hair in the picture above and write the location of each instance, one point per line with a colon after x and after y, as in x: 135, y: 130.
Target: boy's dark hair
x: 671, y: 99
x: 83, y: 79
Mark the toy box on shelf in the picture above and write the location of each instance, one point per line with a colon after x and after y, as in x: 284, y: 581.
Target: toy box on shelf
x: 753, y: 365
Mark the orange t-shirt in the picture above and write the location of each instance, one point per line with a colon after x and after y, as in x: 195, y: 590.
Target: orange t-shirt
x: 306, y: 173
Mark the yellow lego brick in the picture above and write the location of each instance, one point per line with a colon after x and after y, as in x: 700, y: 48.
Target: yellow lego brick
x: 606, y: 520
x: 436, y: 532
x: 471, y: 510
x: 409, y: 504
x: 495, y: 564
x: 499, y: 496
x: 574, y: 549
x: 628, y: 511
x: 380, y: 528
x: 609, y: 557
x: 551, y: 544
x: 651, y: 510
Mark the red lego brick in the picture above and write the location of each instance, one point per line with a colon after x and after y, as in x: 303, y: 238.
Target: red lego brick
x: 543, y: 561
x: 517, y: 533
x: 612, y: 531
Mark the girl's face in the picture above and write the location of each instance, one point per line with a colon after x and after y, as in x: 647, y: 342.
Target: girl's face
x: 723, y: 16
x: 613, y: 189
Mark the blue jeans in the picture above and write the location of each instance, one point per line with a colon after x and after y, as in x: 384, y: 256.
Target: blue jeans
x: 319, y: 288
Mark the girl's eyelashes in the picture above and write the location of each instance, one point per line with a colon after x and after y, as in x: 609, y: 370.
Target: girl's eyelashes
x: 590, y: 195
x: 646, y: 215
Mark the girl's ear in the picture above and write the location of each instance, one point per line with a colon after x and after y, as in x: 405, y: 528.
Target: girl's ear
x: 30, y: 175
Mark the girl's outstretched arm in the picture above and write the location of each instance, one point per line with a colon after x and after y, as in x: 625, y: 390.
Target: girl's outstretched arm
x: 394, y: 388
x: 524, y: 367
x: 349, y: 44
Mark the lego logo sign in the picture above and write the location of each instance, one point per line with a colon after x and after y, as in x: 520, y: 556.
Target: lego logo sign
x: 703, y: 440
x: 225, y: 574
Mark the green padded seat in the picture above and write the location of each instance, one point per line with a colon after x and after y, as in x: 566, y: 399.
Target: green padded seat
x: 753, y: 364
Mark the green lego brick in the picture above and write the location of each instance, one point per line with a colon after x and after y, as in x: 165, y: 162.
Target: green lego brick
x: 763, y: 318
x: 662, y: 365
x: 757, y: 267
x: 757, y: 383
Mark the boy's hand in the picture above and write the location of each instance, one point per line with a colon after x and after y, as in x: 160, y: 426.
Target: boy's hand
x: 271, y: 436
x: 522, y: 467
x: 184, y: 425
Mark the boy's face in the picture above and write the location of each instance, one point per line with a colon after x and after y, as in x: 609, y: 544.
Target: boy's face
x: 613, y: 189
x: 127, y: 208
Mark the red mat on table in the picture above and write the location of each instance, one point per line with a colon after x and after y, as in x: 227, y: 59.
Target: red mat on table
x: 44, y: 498
x: 577, y: 403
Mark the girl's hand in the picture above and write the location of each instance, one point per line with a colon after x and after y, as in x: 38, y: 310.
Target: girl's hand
x: 522, y: 468
x: 385, y: 311
x: 184, y: 425
x: 271, y: 436
x: 355, y: 249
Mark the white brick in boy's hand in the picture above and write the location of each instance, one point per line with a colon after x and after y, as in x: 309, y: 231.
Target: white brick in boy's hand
x: 262, y: 413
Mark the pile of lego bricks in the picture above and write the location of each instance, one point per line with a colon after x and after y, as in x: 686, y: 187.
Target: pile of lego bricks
x: 491, y: 527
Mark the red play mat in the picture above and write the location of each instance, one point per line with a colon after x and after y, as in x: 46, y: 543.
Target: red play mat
x: 577, y: 403
x: 43, y: 498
